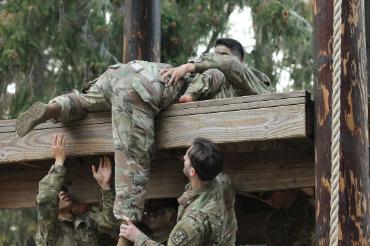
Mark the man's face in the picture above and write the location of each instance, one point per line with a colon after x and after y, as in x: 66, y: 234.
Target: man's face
x: 65, y: 201
x: 187, y: 164
x: 163, y: 219
x: 223, y: 50
x: 277, y: 199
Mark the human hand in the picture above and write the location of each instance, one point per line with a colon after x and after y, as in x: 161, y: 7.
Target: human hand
x: 129, y: 230
x: 177, y: 72
x: 104, y: 173
x: 58, y: 149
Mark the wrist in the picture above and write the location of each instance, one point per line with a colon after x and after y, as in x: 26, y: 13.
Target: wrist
x: 105, y: 186
x: 59, y: 161
x: 190, y: 67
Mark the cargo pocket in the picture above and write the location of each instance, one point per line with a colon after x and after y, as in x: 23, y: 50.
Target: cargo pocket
x: 141, y: 138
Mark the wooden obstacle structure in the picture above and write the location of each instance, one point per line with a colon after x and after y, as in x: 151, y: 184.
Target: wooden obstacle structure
x: 267, y: 141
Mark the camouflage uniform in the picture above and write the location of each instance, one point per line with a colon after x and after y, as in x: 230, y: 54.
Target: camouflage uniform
x: 206, y: 216
x: 83, y: 230
x: 224, y: 76
x: 135, y: 93
x: 293, y: 226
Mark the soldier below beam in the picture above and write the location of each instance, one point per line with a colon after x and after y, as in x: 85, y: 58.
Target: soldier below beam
x: 293, y: 222
x: 159, y: 218
x: 57, y: 224
x: 206, y: 214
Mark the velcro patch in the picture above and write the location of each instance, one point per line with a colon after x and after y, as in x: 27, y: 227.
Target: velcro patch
x: 179, y: 237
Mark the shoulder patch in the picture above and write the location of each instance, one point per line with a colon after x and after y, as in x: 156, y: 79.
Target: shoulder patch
x: 179, y: 236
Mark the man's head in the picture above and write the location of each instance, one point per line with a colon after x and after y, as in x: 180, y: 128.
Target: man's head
x: 280, y: 198
x: 65, y: 201
x: 228, y: 46
x: 203, y: 160
x: 160, y: 214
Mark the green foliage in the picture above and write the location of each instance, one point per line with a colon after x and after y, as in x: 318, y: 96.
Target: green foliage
x: 283, y: 28
x: 18, y: 227
x: 186, y: 24
x: 54, y: 46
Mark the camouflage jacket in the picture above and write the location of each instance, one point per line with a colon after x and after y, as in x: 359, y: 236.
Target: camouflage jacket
x: 244, y: 80
x: 83, y: 230
x: 293, y: 226
x: 206, y: 216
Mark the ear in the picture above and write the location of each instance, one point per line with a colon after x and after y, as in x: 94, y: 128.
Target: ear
x: 192, y: 173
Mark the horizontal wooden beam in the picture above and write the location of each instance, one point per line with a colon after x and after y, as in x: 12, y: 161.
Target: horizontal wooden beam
x: 253, y: 171
x: 260, y: 118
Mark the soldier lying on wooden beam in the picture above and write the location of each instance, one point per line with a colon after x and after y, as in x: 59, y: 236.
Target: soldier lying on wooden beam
x: 135, y: 93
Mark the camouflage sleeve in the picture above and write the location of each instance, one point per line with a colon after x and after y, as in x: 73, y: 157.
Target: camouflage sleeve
x: 104, y: 218
x: 242, y: 77
x: 190, y: 230
x: 47, y: 200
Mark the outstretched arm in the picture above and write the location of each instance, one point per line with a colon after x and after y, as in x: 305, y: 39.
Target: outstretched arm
x: 47, y: 199
x: 105, y: 219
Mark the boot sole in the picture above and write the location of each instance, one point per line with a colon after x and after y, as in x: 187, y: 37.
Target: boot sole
x: 28, y: 120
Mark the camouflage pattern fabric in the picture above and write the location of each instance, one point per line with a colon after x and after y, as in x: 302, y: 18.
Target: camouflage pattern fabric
x: 135, y: 93
x: 83, y: 230
x: 293, y: 226
x: 206, y: 216
x: 224, y: 76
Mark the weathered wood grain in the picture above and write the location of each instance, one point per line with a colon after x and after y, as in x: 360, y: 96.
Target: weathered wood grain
x: 264, y: 170
x: 262, y: 118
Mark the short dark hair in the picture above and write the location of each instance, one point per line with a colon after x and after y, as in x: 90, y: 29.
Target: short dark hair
x: 234, y: 45
x: 206, y: 158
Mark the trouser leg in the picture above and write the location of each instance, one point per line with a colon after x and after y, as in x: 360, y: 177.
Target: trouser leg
x: 133, y: 134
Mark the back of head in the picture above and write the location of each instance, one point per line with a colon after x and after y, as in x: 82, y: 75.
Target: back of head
x: 206, y: 159
x: 235, y: 47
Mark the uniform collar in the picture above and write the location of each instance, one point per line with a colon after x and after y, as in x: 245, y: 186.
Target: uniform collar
x: 190, y: 195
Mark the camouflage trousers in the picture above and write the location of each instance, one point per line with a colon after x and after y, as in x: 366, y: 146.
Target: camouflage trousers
x: 133, y: 133
x: 211, y: 84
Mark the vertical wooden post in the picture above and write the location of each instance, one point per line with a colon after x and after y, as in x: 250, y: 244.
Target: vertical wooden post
x: 142, y: 30
x: 322, y: 53
x: 354, y: 161
x: 367, y: 30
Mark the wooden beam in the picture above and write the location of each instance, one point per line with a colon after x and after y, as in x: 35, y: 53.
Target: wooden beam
x: 263, y: 118
x: 253, y: 171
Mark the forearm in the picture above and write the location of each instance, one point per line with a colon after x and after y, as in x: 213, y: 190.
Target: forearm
x: 236, y: 73
x: 50, y: 185
x: 104, y: 219
x: 47, y: 198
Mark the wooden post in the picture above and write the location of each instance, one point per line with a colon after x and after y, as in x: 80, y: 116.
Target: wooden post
x: 354, y: 169
x: 142, y: 30
x: 367, y: 28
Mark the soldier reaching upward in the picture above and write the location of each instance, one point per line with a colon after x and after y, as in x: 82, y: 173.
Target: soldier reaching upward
x: 57, y: 225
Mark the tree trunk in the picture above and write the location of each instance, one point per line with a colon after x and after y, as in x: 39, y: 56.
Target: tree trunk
x: 142, y: 30
x: 354, y: 156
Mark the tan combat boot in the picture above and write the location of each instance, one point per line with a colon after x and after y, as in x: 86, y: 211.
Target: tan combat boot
x: 38, y: 113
